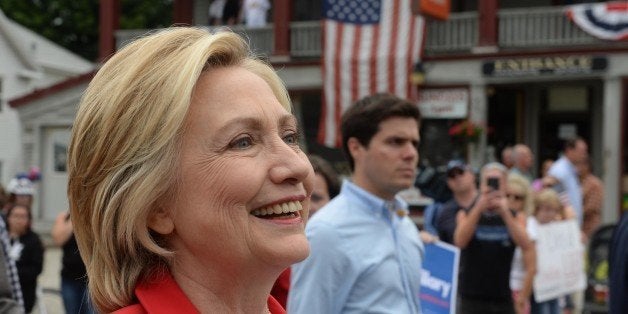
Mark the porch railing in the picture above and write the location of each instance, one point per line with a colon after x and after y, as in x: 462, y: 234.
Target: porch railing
x: 306, y: 39
x: 458, y: 34
x: 529, y: 28
x: 540, y: 27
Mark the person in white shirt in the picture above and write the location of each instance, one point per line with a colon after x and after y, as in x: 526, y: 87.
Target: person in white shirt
x: 255, y: 12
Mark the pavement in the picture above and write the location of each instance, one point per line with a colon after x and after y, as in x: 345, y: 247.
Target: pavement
x: 50, y: 283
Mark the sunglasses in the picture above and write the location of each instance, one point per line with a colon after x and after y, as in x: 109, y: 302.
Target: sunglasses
x: 516, y: 197
x: 451, y: 174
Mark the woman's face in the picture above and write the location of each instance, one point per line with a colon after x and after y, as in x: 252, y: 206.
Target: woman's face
x: 244, y: 185
x: 18, y: 220
x: 320, y: 194
x: 23, y: 199
x: 516, y: 197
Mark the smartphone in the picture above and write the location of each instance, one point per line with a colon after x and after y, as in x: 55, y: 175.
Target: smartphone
x: 493, y: 183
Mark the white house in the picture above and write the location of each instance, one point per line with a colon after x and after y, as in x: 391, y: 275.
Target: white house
x: 28, y: 62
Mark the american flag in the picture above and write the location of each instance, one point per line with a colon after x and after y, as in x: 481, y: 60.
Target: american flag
x: 370, y: 46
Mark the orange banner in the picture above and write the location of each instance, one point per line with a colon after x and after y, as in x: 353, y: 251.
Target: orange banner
x: 434, y: 8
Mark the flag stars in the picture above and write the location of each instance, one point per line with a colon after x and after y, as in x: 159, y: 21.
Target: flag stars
x: 353, y: 11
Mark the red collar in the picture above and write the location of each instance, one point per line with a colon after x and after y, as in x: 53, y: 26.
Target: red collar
x: 162, y: 294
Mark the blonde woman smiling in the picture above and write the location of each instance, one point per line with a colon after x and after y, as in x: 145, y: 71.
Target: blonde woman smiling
x: 188, y: 189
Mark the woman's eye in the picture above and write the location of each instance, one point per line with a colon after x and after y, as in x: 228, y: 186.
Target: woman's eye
x: 292, y: 138
x: 242, y: 143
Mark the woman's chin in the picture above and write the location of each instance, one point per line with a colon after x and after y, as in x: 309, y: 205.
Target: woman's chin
x: 292, y: 251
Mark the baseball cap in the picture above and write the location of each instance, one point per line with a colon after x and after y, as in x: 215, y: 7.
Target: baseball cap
x: 456, y: 165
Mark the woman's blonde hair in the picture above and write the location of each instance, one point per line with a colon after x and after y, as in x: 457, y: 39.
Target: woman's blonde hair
x: 123, y: 151
x: 522, y: 184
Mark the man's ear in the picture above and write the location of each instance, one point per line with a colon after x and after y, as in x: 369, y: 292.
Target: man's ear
x: 161, y: 221
x: 355, y: 147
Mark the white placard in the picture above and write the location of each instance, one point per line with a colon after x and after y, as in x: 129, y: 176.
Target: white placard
x: 450, y: 103
x: 560, y: 260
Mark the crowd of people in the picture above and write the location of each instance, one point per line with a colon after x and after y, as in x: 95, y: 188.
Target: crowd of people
x: 211, y: 206
x: 23, y: 254
x: 481, y: 226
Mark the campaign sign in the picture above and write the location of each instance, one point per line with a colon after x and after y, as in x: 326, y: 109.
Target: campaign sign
x: 439, y: 278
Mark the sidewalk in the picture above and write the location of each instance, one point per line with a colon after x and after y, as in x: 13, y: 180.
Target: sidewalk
x: 50, y: 282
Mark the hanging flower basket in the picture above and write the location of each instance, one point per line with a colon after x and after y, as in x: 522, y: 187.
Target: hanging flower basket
x: 466, y: 131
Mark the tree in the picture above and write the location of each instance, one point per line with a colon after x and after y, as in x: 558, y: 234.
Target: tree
x: 73, y: 24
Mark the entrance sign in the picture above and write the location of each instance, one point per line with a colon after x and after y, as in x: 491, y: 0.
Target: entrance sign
x: 450, y: 103
x: 551, y: 65
x: 439, y: 278
x: 560, y: 260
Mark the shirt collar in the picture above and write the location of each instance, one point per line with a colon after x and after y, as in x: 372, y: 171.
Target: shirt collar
x: 374, y: 203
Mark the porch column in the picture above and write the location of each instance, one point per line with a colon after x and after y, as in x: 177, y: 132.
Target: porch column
x: 611, y: 138
x: 281, y: 19
x: 183, y: 12
x: 479, y: 114
x: 109, y: 15
x: 487, y: 12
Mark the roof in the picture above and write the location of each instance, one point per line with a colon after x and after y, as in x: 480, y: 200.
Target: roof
x: 51, y: 90
x: 37, y: 53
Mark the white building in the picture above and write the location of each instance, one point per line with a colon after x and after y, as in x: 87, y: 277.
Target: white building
x: 28, y: 62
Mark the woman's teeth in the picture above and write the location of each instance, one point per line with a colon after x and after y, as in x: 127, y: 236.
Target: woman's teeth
x: 278, y: 209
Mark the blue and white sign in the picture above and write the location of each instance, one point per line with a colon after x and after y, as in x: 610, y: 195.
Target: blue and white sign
x: 439, y: 278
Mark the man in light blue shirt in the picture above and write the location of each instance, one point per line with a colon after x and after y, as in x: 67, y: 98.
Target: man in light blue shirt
x: 565, y: 171
x: 366, y: 252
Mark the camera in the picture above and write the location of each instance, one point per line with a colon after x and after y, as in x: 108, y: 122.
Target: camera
x: 493, y: 183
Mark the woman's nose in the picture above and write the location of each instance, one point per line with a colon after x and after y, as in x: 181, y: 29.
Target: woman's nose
x: 289, y: 164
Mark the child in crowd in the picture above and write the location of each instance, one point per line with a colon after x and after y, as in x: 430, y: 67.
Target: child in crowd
x: 548, y: 208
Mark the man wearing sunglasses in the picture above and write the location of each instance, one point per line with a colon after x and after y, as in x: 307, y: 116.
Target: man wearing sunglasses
x: 461, y: 181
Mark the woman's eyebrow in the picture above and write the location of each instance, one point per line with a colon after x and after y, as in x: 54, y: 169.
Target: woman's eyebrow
x: 288, y: 119
x: 249, y: 122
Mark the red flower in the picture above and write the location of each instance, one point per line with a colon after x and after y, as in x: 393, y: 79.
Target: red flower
x: 466, y: 129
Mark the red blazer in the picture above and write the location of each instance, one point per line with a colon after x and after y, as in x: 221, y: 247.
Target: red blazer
x: 163, y: 295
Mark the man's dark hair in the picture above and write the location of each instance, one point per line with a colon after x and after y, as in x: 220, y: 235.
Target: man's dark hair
x: 571, y: 142
x: 363, y: 118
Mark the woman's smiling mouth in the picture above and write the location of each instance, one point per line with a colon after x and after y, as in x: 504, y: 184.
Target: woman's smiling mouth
x: 284, y: 210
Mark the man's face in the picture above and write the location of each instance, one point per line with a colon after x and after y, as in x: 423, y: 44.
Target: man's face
x: 460, y: 180
x: 527, y: 159
x: 388, y: 164
x: 579, y: 153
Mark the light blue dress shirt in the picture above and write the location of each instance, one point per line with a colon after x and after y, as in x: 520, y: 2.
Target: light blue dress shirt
x: 365, y: 257
x: 567, y: 174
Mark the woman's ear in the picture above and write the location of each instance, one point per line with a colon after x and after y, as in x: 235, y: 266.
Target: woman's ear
x: 160, y: 221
